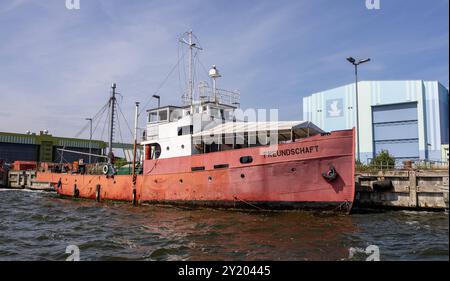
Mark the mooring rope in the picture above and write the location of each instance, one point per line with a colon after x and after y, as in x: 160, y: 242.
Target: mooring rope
x: 248, y: 203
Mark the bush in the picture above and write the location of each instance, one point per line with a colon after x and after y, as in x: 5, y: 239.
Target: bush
x: 383, y: 160
x: 120, y: 162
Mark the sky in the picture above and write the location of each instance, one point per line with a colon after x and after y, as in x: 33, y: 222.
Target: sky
x: 57, y: 65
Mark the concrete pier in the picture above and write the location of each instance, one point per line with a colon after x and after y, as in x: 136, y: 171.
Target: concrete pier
x: 403, y: 189
x: 27, y: 180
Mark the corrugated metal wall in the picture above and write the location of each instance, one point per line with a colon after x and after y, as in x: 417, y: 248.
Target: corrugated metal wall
x: 11, y: 152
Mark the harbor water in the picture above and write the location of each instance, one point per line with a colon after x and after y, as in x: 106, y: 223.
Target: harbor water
x: 40, y: 226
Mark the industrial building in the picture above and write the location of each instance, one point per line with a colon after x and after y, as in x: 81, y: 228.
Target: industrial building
x: 407, y: 118
x: 43, y: 147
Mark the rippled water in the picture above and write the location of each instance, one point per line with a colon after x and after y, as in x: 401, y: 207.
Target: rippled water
x: 39, y: 226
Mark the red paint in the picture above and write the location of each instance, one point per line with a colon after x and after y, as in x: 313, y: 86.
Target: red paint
x: 293, y: 176
x: 24, y: 165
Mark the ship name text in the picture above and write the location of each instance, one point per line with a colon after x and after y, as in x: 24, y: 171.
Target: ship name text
x: 291, y: 151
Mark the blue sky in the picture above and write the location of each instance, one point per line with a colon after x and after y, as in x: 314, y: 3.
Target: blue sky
x: 57, y: 64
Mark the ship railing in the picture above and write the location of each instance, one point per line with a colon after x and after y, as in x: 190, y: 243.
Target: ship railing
x: 222, y: 96
x: 398, y: 164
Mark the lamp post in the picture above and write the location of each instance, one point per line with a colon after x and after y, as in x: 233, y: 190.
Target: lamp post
x: 159, y: 100
x: 356, y: 63
x: 90, y: 139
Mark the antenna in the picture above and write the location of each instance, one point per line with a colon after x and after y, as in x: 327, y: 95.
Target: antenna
x: 192, y: 45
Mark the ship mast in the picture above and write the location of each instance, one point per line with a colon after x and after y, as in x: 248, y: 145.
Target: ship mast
x: 190, y: 43
x: 112, y: 105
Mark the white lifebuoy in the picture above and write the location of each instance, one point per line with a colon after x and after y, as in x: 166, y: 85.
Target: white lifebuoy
x: 105, y: 169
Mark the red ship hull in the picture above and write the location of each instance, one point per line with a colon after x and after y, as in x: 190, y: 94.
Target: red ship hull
x: 288, y: 177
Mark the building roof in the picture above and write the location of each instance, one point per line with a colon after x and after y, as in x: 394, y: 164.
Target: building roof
x: 300, y: 128
x: 37, y: 139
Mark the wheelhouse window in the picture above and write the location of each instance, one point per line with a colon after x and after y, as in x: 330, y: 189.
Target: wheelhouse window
x: 158, y: 115
x: 153, y: 117
x: 175, y: 115
x: 214, y: 112
x: 163, y: 115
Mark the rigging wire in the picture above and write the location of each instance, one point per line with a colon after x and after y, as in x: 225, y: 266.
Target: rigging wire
x: 104, y: 125
x: 163, y: 82
x: 126, y: 121
x: 121, y: 138
x: 100, y: 112
x: 179, y: 71
x: 98, y: 122
x: 203, y: 66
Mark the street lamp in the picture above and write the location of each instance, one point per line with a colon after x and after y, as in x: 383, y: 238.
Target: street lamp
x: 356, y: 62
x: 159, y: 100
x: 90, y: 139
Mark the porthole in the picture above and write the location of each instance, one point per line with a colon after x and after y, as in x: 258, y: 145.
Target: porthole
x: 293, y: 169
x: 167, y: 148
x: 246, y: 159
x: 242, y: 176
x: 182, y: 146
x: 181, y: 180
x: 209, y: 178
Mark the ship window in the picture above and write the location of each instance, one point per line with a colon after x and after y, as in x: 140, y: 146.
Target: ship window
x: 201, y: 168
x: 221, y: 166
x: 163, y: 115
x: 214, y: 112
x: 153, y: 116
x: 246, y: 159
x: 185, y: 130
x: 175, y: 115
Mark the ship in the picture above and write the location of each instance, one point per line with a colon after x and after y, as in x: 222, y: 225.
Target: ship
x: 202, y: 154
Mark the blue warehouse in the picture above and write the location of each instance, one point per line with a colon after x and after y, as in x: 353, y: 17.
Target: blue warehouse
x: 407, y: 118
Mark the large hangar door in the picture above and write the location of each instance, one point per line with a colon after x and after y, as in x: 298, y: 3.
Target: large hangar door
x: 395, y: 129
